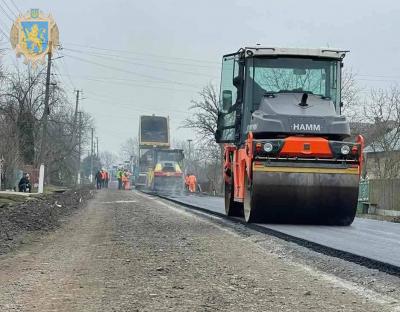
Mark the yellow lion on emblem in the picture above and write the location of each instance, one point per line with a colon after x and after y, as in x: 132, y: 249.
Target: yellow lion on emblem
x: 34, y: 38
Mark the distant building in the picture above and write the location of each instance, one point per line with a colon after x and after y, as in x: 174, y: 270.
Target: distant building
x: 382, y: 156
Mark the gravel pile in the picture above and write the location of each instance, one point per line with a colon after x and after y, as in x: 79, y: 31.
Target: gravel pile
x: 18, y: 220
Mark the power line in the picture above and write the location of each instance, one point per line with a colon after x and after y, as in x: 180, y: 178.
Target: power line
x: 108, y: 78
x: 129, y: 72
x: 148, y: 110
x: 137, y: 63
x: 164, y: 56
x: 128, y: 82
x: 57, y: 73
x: 141, y: 53
x: 130, y: 117
x: 378, y: 76
x: 6, y: 14
x: 12, y: 12
x: 67, y: 72
x: 130, y: 105
x: 113, y: 80
x: 125, y: 57
x: 62, y: 77
x: 4, y: 34
x: 379, y: 80
x: 16, y: 7
x: 4, y: 27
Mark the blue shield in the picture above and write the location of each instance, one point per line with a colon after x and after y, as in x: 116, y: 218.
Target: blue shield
x: 34, y: 36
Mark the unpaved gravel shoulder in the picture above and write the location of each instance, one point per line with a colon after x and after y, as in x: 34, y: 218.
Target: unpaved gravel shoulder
x: 366, y: 279
x: 139, y: 254
x: 22, y: 222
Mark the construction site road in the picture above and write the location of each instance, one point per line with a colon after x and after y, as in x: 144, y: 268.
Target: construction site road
x: 371, y: 239
x: 127, y: 251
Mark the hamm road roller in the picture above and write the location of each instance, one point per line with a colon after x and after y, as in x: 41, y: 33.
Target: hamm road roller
x: 287, y: 158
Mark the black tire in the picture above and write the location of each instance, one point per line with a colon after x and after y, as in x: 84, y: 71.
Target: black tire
x: 232, y: 208
x: 249, y: 209
x: 343, y: 221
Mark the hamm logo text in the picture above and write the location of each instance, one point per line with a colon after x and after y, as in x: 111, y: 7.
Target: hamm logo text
x: 306, y: 127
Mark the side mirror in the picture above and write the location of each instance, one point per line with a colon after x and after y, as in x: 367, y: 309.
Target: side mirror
x: 217, y: 135
x: 237, y: 81
x: 226, y: 99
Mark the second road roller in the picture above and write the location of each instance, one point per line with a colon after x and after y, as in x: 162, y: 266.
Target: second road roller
x: 287, y: 153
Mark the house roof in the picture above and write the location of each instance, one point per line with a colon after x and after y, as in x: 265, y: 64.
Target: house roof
x: 370, y: 131
x: 389, y: 142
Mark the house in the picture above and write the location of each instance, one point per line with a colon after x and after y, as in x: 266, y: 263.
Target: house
x: 382, y: 156
x: 382, y: 148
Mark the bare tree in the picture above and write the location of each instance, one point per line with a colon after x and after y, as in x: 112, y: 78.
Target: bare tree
x: 383, y: 110
x: 21, y: 100
x: 204, y: 161
x: 350, y: 91
x: 108, y: 159
x: 21, y: 112
x: 207, y: 157
x: 130, y: 148
x: 205, y: 114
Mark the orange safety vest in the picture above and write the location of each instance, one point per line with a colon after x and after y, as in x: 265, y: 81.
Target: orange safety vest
x: 192, y: 179
x: 192, y: 183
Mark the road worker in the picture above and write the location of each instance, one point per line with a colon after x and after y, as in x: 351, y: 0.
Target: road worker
x: 107, y: 179
x: 125, y: 180
x: 103, y: 177
x: 192, y: 183
x: 187, y: 182
x: 99, y: 179
x: 119, y: 178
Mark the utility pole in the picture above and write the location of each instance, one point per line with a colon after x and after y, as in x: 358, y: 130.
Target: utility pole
x: 1, y: 170
x: 76, y: 128
x: 91, y: 158
x: 189, y: 158
x: 79, y: 148
x: 46, y: 113
x: 97, y: 147
x: 76, y: 106
x: 78, y: 92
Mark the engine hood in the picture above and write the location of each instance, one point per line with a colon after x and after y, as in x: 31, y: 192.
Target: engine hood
x: 282, y: 113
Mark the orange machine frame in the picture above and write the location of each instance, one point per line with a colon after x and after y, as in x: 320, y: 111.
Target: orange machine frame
x: 241, y: 161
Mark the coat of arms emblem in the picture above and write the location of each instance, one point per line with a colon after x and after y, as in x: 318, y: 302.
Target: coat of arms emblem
x: 33, y: 35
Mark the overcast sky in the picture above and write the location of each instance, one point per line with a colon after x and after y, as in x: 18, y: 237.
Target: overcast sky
x: 161, y: 53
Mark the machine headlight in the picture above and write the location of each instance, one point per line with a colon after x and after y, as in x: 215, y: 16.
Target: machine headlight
x: 268, y: 147
x: 345, y: 150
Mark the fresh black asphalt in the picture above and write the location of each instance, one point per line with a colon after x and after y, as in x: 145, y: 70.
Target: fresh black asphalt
x: 376, y: 240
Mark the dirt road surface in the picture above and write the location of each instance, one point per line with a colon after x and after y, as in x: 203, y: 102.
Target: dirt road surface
x: 130, y: 252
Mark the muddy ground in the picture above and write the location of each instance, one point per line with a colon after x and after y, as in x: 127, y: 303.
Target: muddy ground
x: 127, y: 251
x: 21, y: 218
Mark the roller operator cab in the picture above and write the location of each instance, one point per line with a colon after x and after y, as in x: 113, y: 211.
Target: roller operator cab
x: 286, y: 155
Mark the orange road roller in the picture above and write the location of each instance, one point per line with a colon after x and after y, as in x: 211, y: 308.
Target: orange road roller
x: 287, y: 154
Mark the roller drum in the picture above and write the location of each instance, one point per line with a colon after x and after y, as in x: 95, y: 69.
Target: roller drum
x: 302, y: 198
x: 168, y: 184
